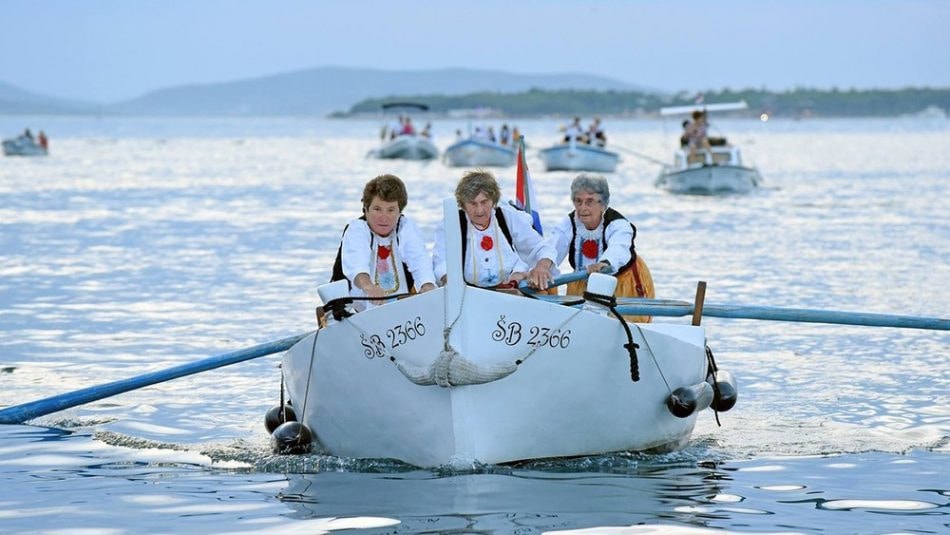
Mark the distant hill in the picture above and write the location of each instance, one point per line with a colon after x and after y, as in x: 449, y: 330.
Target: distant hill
x: 322, y: 90
x: 16, y: 100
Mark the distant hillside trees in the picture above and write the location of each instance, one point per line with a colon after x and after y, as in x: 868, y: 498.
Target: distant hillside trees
x: 799, y: 102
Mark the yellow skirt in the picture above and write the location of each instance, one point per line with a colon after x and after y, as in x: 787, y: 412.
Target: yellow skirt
x: 626, y: 287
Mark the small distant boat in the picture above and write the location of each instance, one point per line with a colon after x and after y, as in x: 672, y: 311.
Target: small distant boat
x: 23, y: 146
x: 407, y: 147
x: 407, y: 144
x: 475, y: 152
x: 574, y: 156
x: 718, y: 169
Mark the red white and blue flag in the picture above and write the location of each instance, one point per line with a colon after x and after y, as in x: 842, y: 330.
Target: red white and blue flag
x: 525, y: 197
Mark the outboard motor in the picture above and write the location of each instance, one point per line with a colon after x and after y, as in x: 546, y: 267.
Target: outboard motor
x: 687, y: 400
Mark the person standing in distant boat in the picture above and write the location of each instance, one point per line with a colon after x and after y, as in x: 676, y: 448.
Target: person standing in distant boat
x: 427, y: 131
x: 696, y: 134
x: 41, y: 139
x: 599, y: 239
x: 574, y: 131
x: 383, y: 253
x: 407, y: 128
x: 504, y: 135
x: 515, y: 134
x: 595, y: 133
x: 498, y: 242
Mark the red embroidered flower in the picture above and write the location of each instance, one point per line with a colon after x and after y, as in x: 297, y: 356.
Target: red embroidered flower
x: 590, y: 249
x: 383, y: 252
x: 487, y: 243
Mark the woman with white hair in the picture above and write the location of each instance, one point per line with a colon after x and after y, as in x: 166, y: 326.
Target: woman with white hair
x: 598, y: 239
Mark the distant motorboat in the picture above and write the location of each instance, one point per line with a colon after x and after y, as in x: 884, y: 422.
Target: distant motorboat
x: 574, y: 156
x: 476, y: 152
x: 402, y: 141
x: 718, y: 169
x: 23, y: 146
x: 709, y: 172
x: 407, y: 147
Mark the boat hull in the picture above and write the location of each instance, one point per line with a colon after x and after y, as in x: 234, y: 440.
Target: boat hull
x: 578, y: 157
x: 477, y: 153
x: 572, y: 394
x: 20, y: 147
x: 710, y: 180
x: 408, y: 148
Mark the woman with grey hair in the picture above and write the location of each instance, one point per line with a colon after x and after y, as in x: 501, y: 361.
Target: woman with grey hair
x: 598, y: 239
x: 499, y: 243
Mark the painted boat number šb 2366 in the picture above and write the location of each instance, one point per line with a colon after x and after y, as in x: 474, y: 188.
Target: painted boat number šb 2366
x: 512, y: 333
x: 398, y: 335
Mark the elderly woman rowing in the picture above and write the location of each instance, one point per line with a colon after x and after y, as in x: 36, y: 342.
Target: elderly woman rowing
x: 597, y: 238
x: 382, y: 253
x: 499, y: 245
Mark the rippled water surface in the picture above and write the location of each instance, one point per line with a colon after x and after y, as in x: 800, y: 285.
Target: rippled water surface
x: 140, y: 244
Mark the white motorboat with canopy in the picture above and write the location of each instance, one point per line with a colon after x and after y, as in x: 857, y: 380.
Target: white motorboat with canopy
x: 403, y: 145
x: 708, y: 171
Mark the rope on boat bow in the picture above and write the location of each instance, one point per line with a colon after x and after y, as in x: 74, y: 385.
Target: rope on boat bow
x: 610, y: 302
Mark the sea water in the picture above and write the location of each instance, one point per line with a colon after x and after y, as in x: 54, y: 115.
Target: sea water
x: 144, y: 243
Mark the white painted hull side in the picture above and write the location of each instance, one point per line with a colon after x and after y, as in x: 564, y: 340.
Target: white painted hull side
x: 20, y: 147
x: 579, y: 157
x: 478, y: 153
x: 572, y: 396
x: 710, y: 180
x: 408, y: 148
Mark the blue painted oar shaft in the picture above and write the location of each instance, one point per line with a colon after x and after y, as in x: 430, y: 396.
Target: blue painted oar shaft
x: 562, y: 279
x: 654, y: 307
x: 34, y: 409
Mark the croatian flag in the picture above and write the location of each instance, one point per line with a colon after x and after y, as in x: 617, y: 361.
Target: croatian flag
x: 525, y: 197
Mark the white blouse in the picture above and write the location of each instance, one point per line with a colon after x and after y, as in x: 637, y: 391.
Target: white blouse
x: 619, y: 235
x: 489, y: 259
x: 361, y: 253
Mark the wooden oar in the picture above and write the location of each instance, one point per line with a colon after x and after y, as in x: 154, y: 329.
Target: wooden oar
x: 18, y: 414
x: 658, y: 307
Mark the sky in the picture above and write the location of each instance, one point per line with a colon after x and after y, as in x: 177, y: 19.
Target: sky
x: 111, y: 50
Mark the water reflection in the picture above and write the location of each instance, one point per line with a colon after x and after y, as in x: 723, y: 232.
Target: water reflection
x: 509, y: 500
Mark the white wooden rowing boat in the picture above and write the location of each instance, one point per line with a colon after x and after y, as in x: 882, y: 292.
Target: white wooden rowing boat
x: 462, y: 374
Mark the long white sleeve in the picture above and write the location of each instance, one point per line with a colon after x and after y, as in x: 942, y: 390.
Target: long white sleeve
x: 356, y: 255
x: 530, y: 245
x: 414, y: 254
x: 618, y: 235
